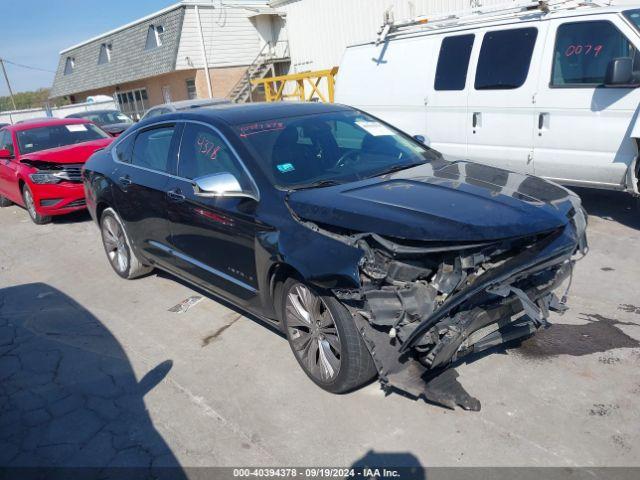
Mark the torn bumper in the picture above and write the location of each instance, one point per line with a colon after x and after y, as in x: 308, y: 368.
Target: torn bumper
x: 420, y: 312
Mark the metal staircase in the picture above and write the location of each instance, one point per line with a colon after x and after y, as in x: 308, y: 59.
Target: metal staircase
x: 263, y: 65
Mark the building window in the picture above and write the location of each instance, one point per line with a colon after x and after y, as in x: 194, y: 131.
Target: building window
x: 191, y: 89
x: 133, y: 103
x: 504, y: 59
x: 105, y: 54
x: 154, y: 37
x: 69, y: 65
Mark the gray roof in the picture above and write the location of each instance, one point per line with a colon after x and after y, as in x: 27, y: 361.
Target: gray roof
x: 129, y: 59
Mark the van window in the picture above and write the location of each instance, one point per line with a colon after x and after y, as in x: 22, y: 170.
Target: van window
x: 453, y: 62
x: 504, y: 59
x: 583, y: 51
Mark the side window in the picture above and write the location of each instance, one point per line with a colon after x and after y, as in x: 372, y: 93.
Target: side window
x: 204, y: 152
x: 583, y: 51
x: 152, y: 149
x: 453, y: 62
x: 504, y: 59
x: 6, y: 142
x: 124, y: 148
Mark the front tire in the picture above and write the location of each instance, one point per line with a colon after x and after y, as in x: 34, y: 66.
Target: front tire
x: 30, y: 205
x: 324, y: 339
x: 116, y: 243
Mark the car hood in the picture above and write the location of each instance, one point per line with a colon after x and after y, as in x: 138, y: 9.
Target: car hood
x: 450, y: 202
x: 76, y: 153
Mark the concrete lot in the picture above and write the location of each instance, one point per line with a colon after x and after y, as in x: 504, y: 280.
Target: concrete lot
x: 95, y: 370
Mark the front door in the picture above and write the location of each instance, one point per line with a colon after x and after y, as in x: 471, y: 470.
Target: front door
x: 8, y: 180
x: 500, y: 114
x: 582, y: 131
x: 142, y: 174
x: 212, y: 238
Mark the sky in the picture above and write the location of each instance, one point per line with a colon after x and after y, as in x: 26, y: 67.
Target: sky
x: 34, y: 31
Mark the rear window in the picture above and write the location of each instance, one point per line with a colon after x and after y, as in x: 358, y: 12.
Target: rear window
x: 152, y: 149
x: 43, y: 138
x: 505, y: 58
x: 453, y: 62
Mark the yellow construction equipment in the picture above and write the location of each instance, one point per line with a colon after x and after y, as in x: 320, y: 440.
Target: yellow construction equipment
x: 275, y: 87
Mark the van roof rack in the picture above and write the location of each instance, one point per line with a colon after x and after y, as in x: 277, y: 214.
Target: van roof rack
x: 478, y: 15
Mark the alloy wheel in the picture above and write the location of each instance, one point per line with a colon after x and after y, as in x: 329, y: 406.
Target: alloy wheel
x: 115, y: 244
x: 29, y: 203
x: 313, y: 333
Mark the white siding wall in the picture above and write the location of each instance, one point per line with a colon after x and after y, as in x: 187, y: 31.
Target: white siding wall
x: 230, y: 36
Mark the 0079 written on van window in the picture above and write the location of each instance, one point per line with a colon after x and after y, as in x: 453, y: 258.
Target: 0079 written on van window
x: 584, y: 50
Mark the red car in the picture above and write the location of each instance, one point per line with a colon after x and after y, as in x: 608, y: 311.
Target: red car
x: 41, y: 162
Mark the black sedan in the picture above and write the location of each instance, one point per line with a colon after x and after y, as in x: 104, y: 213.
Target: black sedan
x: 373, y: 253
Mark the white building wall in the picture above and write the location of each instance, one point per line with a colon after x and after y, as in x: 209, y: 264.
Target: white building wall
x: 230, y: 36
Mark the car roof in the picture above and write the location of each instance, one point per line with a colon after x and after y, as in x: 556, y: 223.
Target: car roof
x: 49, y: 122
x: 200, y: 102
x: 235, y: 114
x: 90, y: 112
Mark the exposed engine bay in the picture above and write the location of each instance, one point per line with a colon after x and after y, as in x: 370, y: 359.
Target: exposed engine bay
x: 422, y: 308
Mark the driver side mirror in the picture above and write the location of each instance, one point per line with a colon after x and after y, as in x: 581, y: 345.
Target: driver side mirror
x: 422, y: 139
x: 5, y: 154
x: 220, y: 185
x: 619, y: 72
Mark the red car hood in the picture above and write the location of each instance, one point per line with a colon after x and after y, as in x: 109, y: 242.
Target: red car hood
x: 76, y: 153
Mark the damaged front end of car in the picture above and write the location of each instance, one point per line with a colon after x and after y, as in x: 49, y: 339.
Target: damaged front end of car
x: 423, y: 306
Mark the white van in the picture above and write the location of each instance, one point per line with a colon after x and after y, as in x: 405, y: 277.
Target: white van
x: 544, y: 89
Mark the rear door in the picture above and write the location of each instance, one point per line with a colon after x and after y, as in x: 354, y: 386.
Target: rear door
x: 500, y: 114
x: 582, y: 134
x: 144, y: 165
x: 213, y: 238
x: 446, y: 101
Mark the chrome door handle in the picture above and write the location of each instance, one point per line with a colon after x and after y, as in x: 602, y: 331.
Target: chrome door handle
x: 176, y: 195
x: 125, y: 181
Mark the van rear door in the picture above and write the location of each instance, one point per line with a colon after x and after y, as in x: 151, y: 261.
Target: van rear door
x: 500, y: 114
x: 446, y: 99
x: 582, y: 131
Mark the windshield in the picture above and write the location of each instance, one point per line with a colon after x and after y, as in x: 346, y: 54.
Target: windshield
x: 634, y: 17
x: 54, y: 136
x: 107, y: 118
x: 323, y: 149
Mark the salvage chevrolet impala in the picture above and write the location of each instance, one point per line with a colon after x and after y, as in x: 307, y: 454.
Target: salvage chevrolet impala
x: 372, y: 252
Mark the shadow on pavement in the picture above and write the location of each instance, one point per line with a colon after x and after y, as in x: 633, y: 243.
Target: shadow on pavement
x: 406, y: 464
x: 68, y: 394
x: 618, y: 206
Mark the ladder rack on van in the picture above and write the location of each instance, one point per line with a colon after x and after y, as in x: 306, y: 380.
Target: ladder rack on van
x: 514, y: 9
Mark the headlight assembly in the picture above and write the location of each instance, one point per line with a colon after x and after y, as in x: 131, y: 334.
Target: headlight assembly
x: 45, y: 178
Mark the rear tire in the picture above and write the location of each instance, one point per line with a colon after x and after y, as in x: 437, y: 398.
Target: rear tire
x: 30, y: 205
x: 117, y: 246
x: 5, y: 202
x: 324, y: 339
